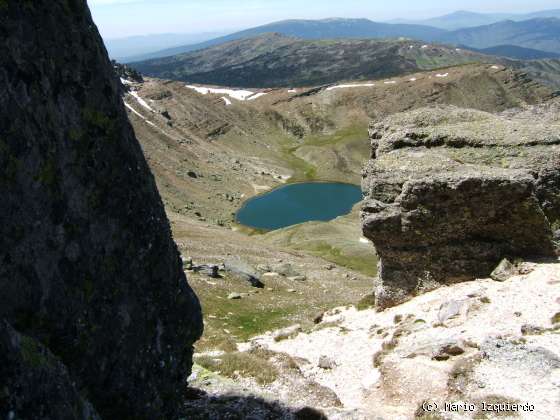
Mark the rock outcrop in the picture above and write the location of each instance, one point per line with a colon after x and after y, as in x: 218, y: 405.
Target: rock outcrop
x: 450, y: 192
x: 89, y: 273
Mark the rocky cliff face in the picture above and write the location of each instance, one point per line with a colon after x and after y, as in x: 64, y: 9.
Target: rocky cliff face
x: 88, y: 269
x: 450, y: 192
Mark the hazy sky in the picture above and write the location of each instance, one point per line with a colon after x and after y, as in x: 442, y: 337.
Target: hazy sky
x: 118, y: 18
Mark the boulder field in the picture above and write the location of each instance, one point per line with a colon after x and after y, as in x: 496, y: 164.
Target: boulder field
x: 450, y: 192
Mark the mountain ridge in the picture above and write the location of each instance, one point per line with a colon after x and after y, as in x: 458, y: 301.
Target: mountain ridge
x: 462, y: 19
x: 537, y: 33
x: 333, y: 28
x: 275, y: 60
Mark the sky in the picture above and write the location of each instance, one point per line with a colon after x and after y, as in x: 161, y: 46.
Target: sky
x: 122, y: 18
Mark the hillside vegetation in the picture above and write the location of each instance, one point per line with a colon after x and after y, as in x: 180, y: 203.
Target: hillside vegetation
x: 274, y: 60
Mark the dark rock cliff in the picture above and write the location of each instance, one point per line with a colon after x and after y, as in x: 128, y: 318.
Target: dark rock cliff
x: 450, y: 192
x: 88, y: 268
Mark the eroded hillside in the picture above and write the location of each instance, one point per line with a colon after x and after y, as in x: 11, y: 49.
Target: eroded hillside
x: 195, y: 141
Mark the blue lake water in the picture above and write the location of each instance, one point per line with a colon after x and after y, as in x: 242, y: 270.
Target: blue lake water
x: 298, y: 203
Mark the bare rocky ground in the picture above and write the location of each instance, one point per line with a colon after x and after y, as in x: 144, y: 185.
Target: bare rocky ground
x: 469, y: 343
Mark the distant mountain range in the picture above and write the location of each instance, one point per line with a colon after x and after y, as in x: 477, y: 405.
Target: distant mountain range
x: 538, y: 34
x: 465, y: 19
x: 275, y: 60
x: 515, y: 52
x: 542, y: 35
x: 536, y: 31
x: 313, y: 29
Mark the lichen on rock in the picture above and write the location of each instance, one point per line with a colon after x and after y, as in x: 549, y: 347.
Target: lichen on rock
x: 451, y: 192
x: 88, y: 268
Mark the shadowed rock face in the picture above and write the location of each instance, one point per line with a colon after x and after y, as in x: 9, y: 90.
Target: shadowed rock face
x: 88, y: 267
x: 450, y: 192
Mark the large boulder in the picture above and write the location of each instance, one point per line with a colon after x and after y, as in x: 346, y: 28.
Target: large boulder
x: 451, y: 192
x: 88, y: 268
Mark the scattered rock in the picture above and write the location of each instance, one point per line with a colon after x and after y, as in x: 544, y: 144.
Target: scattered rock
x: 504, y: 271
x: 286, y: 270
x: 297, y: 278
x: 264, y: 268
x: 532, y: 330
x: 286, y: 333
x: 449, y: 310
x: 452, y: 348
x: 270, y: 275
x: 291, y: 290
x: 187, y: 263
x: 318, y: 318
x: 243, y: 271
x: 211, y: 270
x: 326, y: 363
x: 234, y: 296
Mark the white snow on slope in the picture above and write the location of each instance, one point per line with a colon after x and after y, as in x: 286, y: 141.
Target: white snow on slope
x: 240, y: 95
x: 141, y: 101
x: 412, y: 79
x: 495, y: 67
x: 125, y: 82
x: 135, y: 112
x: 351, y: 86
x: 146, y: 120
x: 442, y: 75
x: 292, y: 91
x: 226, y: 100
x: 392, y: 82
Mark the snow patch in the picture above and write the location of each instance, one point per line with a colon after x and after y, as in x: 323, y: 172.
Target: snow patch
x: 292, y: 90
x: 442, y: 75
x: 134, y: 111
x: 495, y: 67
x: 226, y: 100
x: 413, y: 79
x: 424, y: 47
x: 125, y: 82
x: 364, y: 240
x: 141, y: 101
x: 351, y: 86
x: 392, y: 82
x: 240, y: 95
x: 146, y: 120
